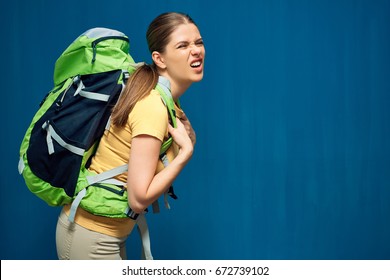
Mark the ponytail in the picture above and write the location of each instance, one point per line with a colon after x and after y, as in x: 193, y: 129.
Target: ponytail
x: 139, y: 85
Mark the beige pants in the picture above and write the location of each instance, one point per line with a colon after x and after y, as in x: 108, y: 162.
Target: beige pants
x: 77, y: 243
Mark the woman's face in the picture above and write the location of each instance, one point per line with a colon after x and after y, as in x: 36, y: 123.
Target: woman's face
x: 184, y: 55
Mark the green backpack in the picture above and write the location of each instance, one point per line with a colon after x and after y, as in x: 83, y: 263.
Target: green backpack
x: 57, y: 147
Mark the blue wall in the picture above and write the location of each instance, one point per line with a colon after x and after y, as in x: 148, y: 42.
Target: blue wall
x: 292, y: 119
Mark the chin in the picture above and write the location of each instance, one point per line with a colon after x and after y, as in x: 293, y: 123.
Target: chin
x: 198, y: 78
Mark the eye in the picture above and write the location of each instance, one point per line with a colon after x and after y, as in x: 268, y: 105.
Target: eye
x: 199, y: 43
x: 182, y: 45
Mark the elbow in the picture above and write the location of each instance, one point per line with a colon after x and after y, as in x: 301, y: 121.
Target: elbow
x: 136, y: 205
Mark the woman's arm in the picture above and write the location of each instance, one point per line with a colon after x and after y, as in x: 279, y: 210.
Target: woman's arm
x: 143, y: 185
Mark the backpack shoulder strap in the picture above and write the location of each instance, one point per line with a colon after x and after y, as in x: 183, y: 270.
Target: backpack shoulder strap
x: 163, y: 87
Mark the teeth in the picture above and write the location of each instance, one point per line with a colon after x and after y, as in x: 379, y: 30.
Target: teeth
x: 195, y: 64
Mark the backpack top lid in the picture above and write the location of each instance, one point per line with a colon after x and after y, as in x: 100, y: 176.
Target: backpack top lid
x: 95, y: 51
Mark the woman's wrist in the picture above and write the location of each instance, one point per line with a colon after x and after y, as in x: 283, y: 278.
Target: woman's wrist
x: 185, y: 154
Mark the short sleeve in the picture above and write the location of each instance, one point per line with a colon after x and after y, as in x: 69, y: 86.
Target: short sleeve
x: 149, y: 117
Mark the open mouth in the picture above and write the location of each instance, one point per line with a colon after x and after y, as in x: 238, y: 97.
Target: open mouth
x: 196, y: 64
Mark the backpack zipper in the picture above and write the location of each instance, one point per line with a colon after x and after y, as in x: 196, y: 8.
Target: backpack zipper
x: 97, y: 41
x: 59, y: 102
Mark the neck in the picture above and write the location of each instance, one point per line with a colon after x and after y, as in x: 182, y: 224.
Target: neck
x: 177, y: 88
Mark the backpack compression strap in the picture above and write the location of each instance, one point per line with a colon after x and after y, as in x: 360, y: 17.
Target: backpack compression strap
x: 51, y: 133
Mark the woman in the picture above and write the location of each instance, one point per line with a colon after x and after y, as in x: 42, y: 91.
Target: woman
x: 138, y: 128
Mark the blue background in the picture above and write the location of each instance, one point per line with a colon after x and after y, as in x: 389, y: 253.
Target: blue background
x: 292, y: 120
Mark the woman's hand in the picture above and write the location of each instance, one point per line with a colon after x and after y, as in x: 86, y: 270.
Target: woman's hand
x: 189, y: 129
x: 182, y: 138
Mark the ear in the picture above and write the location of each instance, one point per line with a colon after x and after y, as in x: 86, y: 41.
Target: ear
x: 158, y: 60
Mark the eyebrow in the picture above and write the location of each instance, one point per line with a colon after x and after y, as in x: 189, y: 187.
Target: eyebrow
x: 186, y: 42
x: 181, y: 42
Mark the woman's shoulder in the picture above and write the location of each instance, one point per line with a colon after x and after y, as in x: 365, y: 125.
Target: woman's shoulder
x: 154, y: 94
x: 153, y: 99
x: 151, y: 103
x: 149, y: 116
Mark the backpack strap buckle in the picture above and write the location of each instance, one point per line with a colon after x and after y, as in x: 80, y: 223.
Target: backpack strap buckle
x: 131, y: 214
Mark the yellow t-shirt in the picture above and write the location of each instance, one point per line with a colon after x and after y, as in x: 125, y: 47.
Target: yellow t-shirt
x: 148, y: 117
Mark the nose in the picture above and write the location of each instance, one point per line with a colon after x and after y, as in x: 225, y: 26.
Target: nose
x: 195, y: 49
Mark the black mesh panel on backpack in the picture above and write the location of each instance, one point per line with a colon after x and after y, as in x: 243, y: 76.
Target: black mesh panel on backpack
x: 79, y: 121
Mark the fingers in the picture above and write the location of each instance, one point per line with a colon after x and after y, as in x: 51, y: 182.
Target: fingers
x: 179, y: 124
x: 189, y: 128
x: 184, y: 126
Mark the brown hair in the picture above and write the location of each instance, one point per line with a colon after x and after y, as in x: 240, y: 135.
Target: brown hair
x: 145, y: 78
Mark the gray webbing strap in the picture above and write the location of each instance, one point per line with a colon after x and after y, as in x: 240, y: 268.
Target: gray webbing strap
x: 75, y: 204
x: 167, y: 205
x: 137, y: 65
x: 156, y: 207
x: 52, y: 134
x: 88, y: 94
x: 125, y: 76
x: 143, y: 230
x: 94, y: 95
x: 106, y: 175
x: 165, y: 85
x: 21, y: 165
x: 155, y: 204
x: 108, y: 124
x: 113, y: 182
x: 165, y: 161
